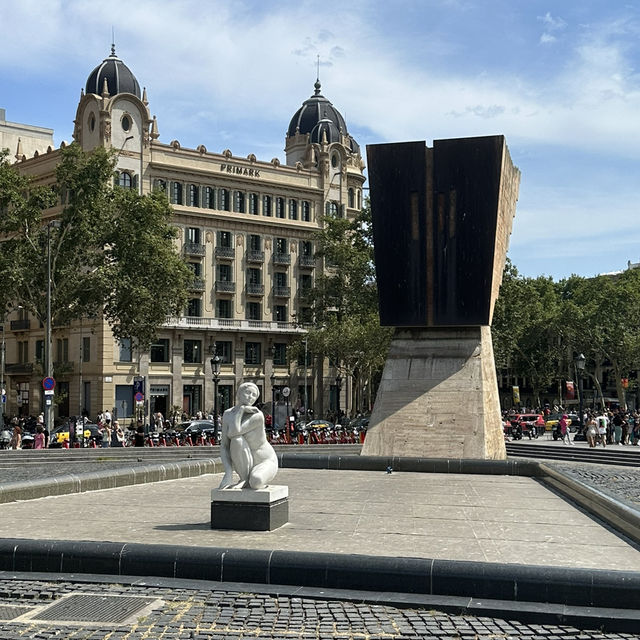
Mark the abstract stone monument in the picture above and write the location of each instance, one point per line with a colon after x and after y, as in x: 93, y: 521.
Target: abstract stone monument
x: 251, y: 503
x: 442, y: 218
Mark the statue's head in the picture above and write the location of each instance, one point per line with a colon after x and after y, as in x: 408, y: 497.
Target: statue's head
x: 248, y: 393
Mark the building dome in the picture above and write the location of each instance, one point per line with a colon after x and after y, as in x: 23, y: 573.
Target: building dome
x: 312, y: 111
x: 325, y: 127
x: 118, y: 76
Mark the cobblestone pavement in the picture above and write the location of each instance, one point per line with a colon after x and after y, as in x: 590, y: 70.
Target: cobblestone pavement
x: 198, y: 614
x: 622, y: 483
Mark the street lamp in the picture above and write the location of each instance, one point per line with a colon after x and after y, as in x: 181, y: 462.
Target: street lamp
x: 215, y: 370
x: 48, y: 408
x: 580, y: 362
x: 338, y: 388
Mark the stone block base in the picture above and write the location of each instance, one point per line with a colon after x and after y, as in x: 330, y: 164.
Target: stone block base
x: 438, y: 397
x: 250, y: 509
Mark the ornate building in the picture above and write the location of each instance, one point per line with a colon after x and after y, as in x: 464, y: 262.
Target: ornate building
x: 246, y: 229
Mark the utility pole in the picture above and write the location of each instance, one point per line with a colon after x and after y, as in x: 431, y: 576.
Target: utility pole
x: 3, y: 393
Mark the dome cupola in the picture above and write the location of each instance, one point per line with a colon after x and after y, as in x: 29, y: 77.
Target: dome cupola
x: 118, y: 76
x: 324, y: 129
x: 312, y: 111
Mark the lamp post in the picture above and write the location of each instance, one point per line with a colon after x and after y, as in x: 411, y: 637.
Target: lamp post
x: 580, y: 362
x: 215, y: 371
x: 3, y: 395
x: 48, y: 408
x: 306, y: 394
x: 338, y: 389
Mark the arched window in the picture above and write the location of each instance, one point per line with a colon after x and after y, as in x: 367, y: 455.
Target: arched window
x: 238, y: 202
x: 352, y: 198
x: 359, y: 199
x: 124, y: 180
x: 224, y: 200
x: 279, y: 207
x: 253, y: 204
x: 209, y: 198
x: 176, y: 193
x: 194, y: 200
x: 160, y: 185
x: 306, y: 211
x: 293, y: 209
x: 266, y: 206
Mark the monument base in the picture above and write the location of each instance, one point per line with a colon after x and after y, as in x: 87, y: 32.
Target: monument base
x: 250, y: 509
x: 438, y: 397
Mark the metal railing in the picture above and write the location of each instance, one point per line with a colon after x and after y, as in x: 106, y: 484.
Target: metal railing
x: 255, y: 289
x: 281, y: 292
x: 307, y: 261
x: 194, y: 248
x: 281, y: 258
x: 223, y: 286
x: 252, y: 255
x: 225, y: 252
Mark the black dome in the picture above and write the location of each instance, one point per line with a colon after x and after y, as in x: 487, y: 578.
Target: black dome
x: 327, y: 127
x: 118, y: 75
x: 316, y: 108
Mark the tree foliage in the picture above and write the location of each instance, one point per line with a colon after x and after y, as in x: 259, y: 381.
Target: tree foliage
x: 112, y: 251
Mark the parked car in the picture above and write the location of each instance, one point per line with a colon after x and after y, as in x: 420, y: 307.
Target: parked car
x: 522, y: 424
x: 196, y: 428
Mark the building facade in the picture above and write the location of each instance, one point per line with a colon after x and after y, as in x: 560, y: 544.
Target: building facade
x: 246, y: 230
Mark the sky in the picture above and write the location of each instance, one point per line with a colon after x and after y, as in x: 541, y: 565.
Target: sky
x: 560, y: 79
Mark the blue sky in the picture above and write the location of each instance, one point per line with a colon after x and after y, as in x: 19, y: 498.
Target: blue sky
x: 561, y: 80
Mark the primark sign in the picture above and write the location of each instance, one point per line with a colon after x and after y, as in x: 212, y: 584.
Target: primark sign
x: 240, y: 171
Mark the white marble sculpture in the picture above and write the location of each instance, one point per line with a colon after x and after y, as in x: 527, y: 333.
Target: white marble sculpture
x: 243, y: 443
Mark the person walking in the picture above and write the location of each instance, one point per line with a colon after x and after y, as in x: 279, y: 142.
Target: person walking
x: 564, y: 429
x: 591, y: 431
x: 602, y: 422
x: 16, y: 438
x: 38, y: 440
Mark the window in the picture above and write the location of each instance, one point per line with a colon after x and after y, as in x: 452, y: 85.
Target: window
x: 160, y: 185
x: 23, y: 351
x: 252, y: 353
x: 306, y: 282
x: 255, y: 242
x: 126, y: 123
x: 223, y: 349
x: 86, y: 349
x: 124, y: 180
x: 280, y: 279
x: 306, y: 249
x: 280, y: 354
x: 160, y: 351
x: 194, y: 308
x: 62, y: 350
x: 124, y: 350
x: 301, y: 359
x: 332, y: 209
x: 352, y: 198
x: 335, y: 161
x: 254, y: 311
x: 196, y: 268
x: 224, y: 239
x: 279, y: 207
x: 281, y: 245
x: 224, y: 272
x: 39, y: 350
x: 266, y: 206
x: 280, y: 313
x: 306, y: 315
x: 293, y: 209
x: 176, y: 193
x: 253, y: 204
x: 238, y: 201
x: 193, y: 235
x: 254, y: 276
x: 209, y: 198
x: 223, y: 308
x: 306, y: 211
x: 194, y: 200
x: 359, y: 199
x: 224, y: 199
x: 193, y: 351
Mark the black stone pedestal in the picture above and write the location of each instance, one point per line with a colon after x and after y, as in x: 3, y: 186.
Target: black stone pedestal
x: 250, y: 510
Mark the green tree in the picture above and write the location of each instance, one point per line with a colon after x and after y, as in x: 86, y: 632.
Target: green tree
x: 112, y: 251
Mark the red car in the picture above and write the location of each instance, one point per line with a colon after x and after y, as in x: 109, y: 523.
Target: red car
x: 523, y: 424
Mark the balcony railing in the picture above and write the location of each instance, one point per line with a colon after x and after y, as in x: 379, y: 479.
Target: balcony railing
x: 20, y: 325
x: 19, y: 368
x: 228, y: 253
x: 282, y: 292
x: 231, y: 324
x: 255, y: 289
x: 224, y: 286
x: 193, y: 249
x: 281, y: 258
x: 197, y: 285
x: 308, y: 262
x: 253, y: 255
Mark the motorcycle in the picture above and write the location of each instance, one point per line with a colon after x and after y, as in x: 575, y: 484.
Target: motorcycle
x: 5, y: 439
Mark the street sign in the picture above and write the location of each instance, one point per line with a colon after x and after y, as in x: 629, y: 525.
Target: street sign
x: 49, y: 392
x: 48, y: 383
x: 139, y: 397
x: 286, y: 391
x: 48, y: 402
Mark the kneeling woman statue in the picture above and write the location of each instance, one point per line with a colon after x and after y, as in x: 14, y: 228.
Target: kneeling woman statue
x: 243, y: 443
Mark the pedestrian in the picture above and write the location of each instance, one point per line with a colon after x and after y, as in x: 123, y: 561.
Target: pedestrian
x: 602, y: 422
x: 16, y: 438
x: 139, y: 437
x: 106, y: 434
x: 591, y: 431
x: 564, y: 429
x: 38, y: 441
x: 617, y: 427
